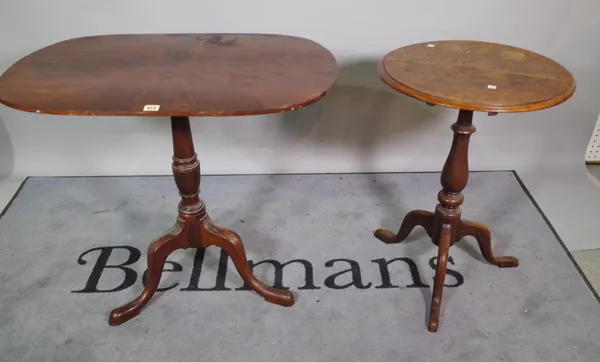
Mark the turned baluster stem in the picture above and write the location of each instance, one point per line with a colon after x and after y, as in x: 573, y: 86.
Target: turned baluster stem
x: 186, y: 168
x: 455, y: 175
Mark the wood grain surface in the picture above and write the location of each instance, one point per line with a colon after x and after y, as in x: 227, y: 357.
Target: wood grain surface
x: 184, y: 74
x: 477, y: 76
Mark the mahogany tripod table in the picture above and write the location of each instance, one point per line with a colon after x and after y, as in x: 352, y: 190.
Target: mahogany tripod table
x: 178, y: 76
x: 469, y: 76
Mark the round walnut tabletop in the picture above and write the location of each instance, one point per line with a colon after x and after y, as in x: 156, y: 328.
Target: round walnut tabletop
x: 477, y: 76
x: 171, y: 75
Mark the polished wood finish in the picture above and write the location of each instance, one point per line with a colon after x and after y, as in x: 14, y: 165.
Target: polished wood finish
x: 185, y: 74
x: 456, y: 74
x: 193, y: 229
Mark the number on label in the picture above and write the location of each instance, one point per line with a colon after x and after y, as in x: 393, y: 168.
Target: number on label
x: 151, y: 107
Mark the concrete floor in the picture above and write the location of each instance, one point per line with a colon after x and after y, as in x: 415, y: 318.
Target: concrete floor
x: 594, y: 170
x: 589, y: 260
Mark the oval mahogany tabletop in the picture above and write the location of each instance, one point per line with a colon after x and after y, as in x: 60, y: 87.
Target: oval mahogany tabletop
x: 183, y: 74
x: 477, y: 76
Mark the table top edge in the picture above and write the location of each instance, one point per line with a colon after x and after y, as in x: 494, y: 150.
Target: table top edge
x: 445, y: 102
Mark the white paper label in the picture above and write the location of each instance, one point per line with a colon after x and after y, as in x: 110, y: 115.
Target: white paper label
x: 151, y: 107
x: 430, y: 45
x: 491, y: 86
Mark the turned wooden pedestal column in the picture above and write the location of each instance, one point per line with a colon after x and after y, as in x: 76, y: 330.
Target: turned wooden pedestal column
x: 468, y: 76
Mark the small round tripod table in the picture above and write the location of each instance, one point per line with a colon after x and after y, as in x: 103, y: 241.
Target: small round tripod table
x: 469, y: 76
x: 177, y: 76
